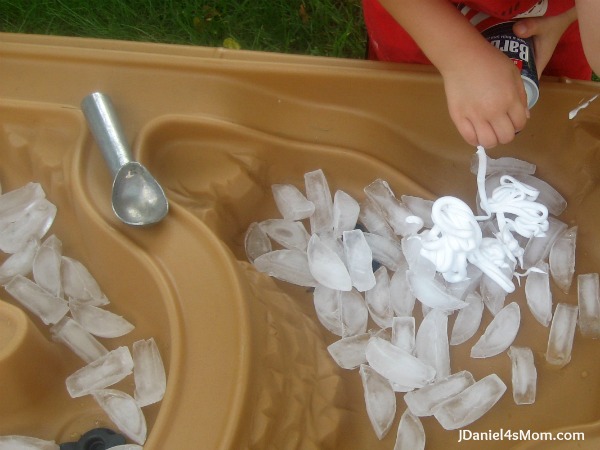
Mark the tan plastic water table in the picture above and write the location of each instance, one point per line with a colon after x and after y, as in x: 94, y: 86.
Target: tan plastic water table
x: 246, y: 358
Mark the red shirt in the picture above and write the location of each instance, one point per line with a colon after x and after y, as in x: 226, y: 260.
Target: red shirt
x: 389, y: 42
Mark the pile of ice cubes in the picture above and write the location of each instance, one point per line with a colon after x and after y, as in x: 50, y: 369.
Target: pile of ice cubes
x: 369, y: 260
x: 61, y: 292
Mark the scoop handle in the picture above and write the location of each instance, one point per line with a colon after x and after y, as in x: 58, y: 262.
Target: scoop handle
x: 105, y: 126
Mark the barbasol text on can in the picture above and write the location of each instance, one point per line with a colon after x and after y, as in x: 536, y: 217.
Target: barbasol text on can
x: 521, y: 52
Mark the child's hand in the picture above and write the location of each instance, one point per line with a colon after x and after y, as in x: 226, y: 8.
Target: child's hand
x: 546, y: 32
x: 486, y: 99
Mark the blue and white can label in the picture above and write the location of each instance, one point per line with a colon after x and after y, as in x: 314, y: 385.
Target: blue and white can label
x: 522, y: 54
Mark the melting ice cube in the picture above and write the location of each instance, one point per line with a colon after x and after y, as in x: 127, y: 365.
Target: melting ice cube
x: 470, y: 404
x: 20, y: 262
x: 317, y: 191
x: 396, y: 213
x: 431, y: 292
x: 105, y: 371
x: 370, y: 217
x: 538, y: 247
x: 431, y: 343
x: 125, y: 413
x: 26, y: 443
x: 424, y: 401
x: 349, y: 352
x: 148, y: 372
x: 410, y: 435
x: 359, y: 260
x: 98, y: 321
x: 33, y: 223
x: 420, y: 207
x: 48, y: 308
x: 403, y: 333
x: 562, y: 332
x: 79, y: 284
x: 397, y: 365
x: 524, y: 375
x: 378, y: 299
x: 292, y: 203
x: 344, y: 313
x: 467, y: 320
x: 379, y: 399
x: 562, y: 259
x: 326, y: 266
x: 588, y: 294
x: 345, y: 213
x: 288, y: 233
x: 500, y: 332
x: 286, y: 265
x: 402, y: 298
x: 74, y: 336
x: 256, y: 242
x: 386, y: 251
x: 46, y: 266
x: 538, y: 294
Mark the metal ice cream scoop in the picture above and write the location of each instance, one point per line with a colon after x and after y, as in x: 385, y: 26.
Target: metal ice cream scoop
x: 137, y: 198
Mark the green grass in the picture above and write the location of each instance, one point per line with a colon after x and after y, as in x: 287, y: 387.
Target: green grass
x: 314, y: 27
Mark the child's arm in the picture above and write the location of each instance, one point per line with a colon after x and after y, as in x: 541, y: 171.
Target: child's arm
x: 484, y: 90
x: 588, y: 12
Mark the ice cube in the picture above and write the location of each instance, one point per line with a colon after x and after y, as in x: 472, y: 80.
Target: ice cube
x: 470, y: 404
x: 420, y: 207
x: 290, y: 234
x: 460, y: 289
x: 48, y: 308
x: 562, y: 332
x: 386, y: 251
x: 256, y: 242
x: 431, y: 342
x: 15, y: 202
x: 538, y: 294
x: 397, y: 365
x: 424, y: 401
x: 98, y: 321
x: 326, y: 266
x: 79, y: 284
x: 379, y: 399
x: 548, y: 196
x: 286, y: 265
x: 402, y: 298
x: 349, y: 352
x: 378, y: 299
x: 291, y: 203
x: 46, y: 266
x: 492, y: 294
x: 104, y: 371
x: 35, y: 221
x: 401, y: 219
x: 588, y: 295
x: 370, y: 217
x: 524, y: 375
x: 124, y: 412
x: 431, y: 292
x: 500, y: 332
x: 20, y: 262
x: 538, y: 247
x: 15, y: 442
x: 410, y: 435
x: 148, y: 373
x: 359, y: 260
x: 403, y: 333
x: 467, y: 320
x: 562, y: 259
x: 317, y: 191
x: 411, y: 247
x: 74, y: 336
x: 345, y: 213
x: 504, y: 165
x: 342, y: 313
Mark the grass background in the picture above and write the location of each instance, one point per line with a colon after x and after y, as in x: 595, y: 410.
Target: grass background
x: 314, y: 27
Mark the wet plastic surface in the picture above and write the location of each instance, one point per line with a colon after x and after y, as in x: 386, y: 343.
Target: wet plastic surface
x: 246, y: 360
